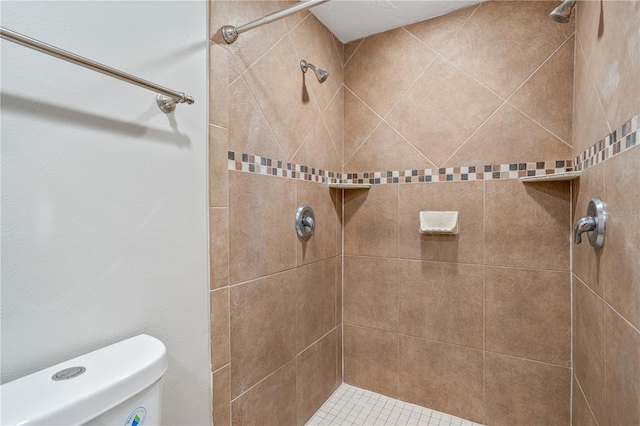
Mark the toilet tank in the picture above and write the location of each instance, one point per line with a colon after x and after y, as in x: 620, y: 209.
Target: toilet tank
x: 116, y: 385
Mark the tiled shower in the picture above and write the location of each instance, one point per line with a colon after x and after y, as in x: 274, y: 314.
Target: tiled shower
x: 505, y: 323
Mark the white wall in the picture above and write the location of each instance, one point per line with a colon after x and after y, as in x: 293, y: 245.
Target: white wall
x: 104, y: 198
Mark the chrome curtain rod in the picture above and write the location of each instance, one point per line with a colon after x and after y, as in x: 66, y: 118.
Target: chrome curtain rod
x: 230, y: 33
x: 166, y: 99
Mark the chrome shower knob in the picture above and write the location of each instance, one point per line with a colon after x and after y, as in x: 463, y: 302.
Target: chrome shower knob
x: 305, y: 221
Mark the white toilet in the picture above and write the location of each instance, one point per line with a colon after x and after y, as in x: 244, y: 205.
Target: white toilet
x: 120, y: 384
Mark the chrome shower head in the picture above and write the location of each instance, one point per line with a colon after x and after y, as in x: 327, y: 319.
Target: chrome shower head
x: 321, y: 74
x: 562, y: 13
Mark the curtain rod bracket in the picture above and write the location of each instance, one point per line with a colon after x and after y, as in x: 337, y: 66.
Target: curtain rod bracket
x: 166, y: 99
x: 168, y: 104
x: 229, y: 33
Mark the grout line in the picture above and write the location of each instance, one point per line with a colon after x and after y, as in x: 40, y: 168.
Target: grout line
x: 474, y: 132
x: 539, y: 124
x: 608, y: 305
x: 273, y: 274
x: 285, y: 363
x: 346, y: 61
x: 253, y: 95
x: 585, y: 398
x: 472, y: 348
x: 221, y: 368
x: 461, y: 263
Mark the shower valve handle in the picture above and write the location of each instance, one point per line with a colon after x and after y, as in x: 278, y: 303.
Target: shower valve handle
x: 584, y: 224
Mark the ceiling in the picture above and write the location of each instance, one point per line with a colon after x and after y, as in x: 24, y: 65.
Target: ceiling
x: 354, y: 19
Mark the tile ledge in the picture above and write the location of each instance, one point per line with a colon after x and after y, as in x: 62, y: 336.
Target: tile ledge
x: 350, y: 185
x: 551, y: 177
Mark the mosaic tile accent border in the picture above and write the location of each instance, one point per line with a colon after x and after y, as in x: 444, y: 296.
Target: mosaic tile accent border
x: 452, y: 174
x: 266, y: 166
x: 621, y: 139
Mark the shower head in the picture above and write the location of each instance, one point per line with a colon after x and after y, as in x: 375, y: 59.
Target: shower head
x: 562, y: 13
x: 321, y: 74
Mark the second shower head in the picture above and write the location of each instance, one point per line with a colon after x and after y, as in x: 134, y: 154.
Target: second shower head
x: 321, y: 74
x: 562, y: 13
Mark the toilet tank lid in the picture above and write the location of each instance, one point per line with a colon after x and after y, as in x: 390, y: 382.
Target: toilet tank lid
x: 113, y: 374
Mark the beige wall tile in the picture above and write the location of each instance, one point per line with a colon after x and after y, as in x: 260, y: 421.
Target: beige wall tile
x: 627, y: 103
x: 339, y: 375
x: 218, y: 85
x: 219, y: 328
x: 467, y: 246
x: 218, y: 174
x: 262, y: 330
x: 294, y: 19
x: 271, y: 403
x: 371, y: 221
x: 334, y: 119
x: 387, y: 150
x: 437, y: 116
x: 522, y: 392
x: 547, y: 96
x: 339, y: 48
x: 359, y: 122
x: 531, y: 230
x: 621, y: 252
x: 219, y: 247
x: 442, y: 377
x: 622, y: 371
x: 384, y: 67
x: 371, y: 292
x: 321, y: 245
x: 317, y: 149
x: 264, y: 243
x: 221, y: 398
x: 286, y: 101
x: 339, y: 262
x: 437, y: 32
x: 610, y: 37
x: 218, y: 16
x: 510, y: 137
x: 528, y: 314
x: 315, y: 301
x: 249, y: 131
x: 474, y: 50
x: 589, y: 347
x: 441, y: 301
x: 314, y: 43
x: 581, y: 414
x: 350, y: 48
x: 371, y: 360
x: 589, y: 121
x: 315, y: 377
x: 251, y: 45
x: 338, y: 204
x: 587, y: 261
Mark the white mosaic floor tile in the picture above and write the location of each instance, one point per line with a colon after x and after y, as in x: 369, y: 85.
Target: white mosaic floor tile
x: 352, y: 406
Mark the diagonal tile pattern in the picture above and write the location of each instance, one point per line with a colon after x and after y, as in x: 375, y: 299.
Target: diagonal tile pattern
x: 425, y: 116
x: 384, y: 67
x: 455, y: 110
x: 281, y: 91
x: 499, y: 32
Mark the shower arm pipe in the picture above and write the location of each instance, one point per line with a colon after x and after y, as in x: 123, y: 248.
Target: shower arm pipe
x: 166, y: 99
x: 231, y: 33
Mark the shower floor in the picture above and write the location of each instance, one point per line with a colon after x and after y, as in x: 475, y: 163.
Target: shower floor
x: 350, y: 405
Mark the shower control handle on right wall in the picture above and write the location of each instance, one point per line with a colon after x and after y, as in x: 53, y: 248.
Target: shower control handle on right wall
x: 593, y: 224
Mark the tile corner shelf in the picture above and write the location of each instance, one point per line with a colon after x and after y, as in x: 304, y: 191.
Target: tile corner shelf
x: 350, y: 185
x: 551, y: 177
